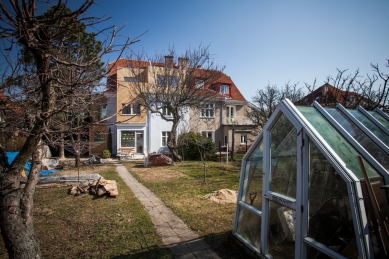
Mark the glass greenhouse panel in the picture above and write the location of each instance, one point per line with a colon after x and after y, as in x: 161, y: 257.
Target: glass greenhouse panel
x: 379, y: 117
x: 283, y: 145
x: 381, y: 156
x: 281, y: 231
x: 336, y: 141
x: 370, y: 125
x: 257, y: 153
x: 313, y: 253
x: 330, y: 220
x: 253, y: 182
x: 249, y: 227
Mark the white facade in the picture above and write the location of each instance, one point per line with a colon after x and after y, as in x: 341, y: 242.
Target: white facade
x: 156, y: 125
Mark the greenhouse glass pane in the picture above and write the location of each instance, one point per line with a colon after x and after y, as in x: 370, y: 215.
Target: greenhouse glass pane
x: 253, y: 180
x: 330, y: 218
x: 370, y: 125
x: 336, y: 141
x: 379, y: 117
x: 257, y: 153
x: 249, y: 226
x: 313, y: 253
x: 281, y: 231
x: 283, y: 143
x: 369, y: 145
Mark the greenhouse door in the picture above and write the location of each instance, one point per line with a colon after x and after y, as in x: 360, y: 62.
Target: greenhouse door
x: 282, y: 210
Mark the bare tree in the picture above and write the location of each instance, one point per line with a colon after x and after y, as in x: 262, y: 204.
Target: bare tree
x: 267, y: 99
x: 352, y: 89
x: 168, y: 87
x: 48, y: 72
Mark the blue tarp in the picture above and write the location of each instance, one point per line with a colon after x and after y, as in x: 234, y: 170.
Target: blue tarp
x: 27, y: 167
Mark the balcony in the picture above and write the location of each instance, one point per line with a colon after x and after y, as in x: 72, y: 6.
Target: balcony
x: 237, y: 121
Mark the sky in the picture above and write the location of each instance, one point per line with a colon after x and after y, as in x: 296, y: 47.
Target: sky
x: 260, y: 42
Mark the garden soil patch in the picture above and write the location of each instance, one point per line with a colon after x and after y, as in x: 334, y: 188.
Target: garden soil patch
x: 222, y: 196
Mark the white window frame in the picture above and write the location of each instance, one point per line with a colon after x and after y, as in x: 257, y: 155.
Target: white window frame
x: 199, y: 83
x: 164, y: 137
x: 131, y: 106
x: 225, y: 89
x: 208, y: 111
x: 209, y: 134
x: 244, y: 138
x: 166, y: 112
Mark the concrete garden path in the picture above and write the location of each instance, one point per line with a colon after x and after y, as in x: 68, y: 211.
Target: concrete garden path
x: 182, y: 241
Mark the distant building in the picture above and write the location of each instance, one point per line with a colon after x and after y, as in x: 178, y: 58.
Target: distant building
x: 328, y: 95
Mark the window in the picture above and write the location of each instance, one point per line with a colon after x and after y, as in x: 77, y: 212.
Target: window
x: 166, y: 112
x: 167, y: 80
x: 165, y: 137
x: 130, y: 109
x: 243, y: 139
x: 98, y: 136
x: 128, y: 139
x: 225, y: 89
x: 208, y: 111
x: 208, y: 134
x: 130, y: 79
x: 103, y: 112
x: 231, y: 112
x: 199, y: 83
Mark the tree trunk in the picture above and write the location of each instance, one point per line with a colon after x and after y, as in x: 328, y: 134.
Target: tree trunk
x: 172, y: 142
x: 16, y: 220
x: 61, y: 151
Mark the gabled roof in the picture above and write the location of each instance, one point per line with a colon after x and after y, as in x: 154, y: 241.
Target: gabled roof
x: 328, y: 95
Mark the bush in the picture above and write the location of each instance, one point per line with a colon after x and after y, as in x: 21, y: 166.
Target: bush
x: 189, y: 143
x: 106, y: 154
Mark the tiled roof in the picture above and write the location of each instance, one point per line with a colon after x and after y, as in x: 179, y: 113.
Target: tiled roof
x: 234, y: 94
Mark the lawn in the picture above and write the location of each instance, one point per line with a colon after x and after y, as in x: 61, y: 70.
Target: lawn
x: 88, y: 227
x: 184, y: 194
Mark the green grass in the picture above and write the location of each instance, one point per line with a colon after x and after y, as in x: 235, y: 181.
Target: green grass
x: 88, y: 227
x: 185, y: 197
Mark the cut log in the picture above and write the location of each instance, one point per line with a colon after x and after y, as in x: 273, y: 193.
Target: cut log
x: 101, y: 191
x: 111, y: 188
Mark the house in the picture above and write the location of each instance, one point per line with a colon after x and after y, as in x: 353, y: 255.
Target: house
x: 134, y: 127
x: 225, y: 120
x: 328, y: 95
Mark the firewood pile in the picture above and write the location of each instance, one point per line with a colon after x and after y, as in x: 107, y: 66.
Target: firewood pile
x: 99, y: 188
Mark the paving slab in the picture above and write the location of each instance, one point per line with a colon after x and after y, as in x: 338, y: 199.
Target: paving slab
x: 181, y: 240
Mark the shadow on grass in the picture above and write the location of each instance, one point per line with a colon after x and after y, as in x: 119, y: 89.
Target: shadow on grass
x: 225, y: 245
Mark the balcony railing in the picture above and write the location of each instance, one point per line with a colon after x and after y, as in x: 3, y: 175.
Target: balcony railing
x: 237, y: 121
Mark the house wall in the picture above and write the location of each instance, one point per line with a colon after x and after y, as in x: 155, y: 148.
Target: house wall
x: 155, y: 126
x: 199, y: 124
x: 97, y: 147
x: 125, y: 94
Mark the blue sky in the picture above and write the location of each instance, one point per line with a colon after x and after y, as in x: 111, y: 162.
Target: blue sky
x: 261, y: 42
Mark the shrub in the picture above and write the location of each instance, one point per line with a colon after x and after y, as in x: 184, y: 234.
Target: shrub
x: 189, y: 143
x: 106, y: 154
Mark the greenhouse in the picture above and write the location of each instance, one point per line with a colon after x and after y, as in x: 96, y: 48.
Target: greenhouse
x: 315, y: 184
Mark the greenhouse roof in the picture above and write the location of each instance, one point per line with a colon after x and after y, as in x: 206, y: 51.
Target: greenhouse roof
x: 306, y: 184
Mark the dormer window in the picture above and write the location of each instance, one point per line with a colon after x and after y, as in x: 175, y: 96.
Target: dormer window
x: 225, y: 89
x: 199, y: 83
